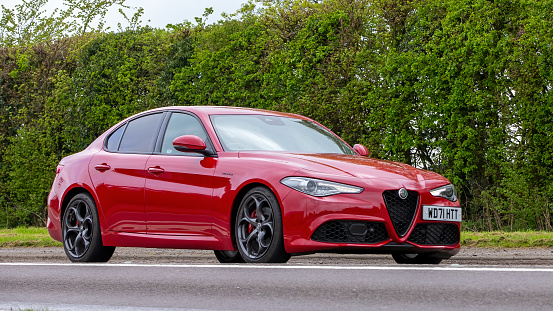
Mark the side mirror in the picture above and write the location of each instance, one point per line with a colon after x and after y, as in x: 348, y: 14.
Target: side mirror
x: 361, y: 150
x: 191, y: 143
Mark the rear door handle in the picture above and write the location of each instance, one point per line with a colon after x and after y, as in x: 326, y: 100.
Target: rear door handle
x: 102, y: 167
x: 156, y: 170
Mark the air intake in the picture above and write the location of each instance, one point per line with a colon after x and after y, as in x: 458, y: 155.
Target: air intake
x: 346, y: 231
x: 435, y: 234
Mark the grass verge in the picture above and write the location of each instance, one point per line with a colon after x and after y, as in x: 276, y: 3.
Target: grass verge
x: 26, y: 237
x: 500, y: 239
x: 39, y: 237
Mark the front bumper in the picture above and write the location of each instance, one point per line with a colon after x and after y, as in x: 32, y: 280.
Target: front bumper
x: 367, y: 226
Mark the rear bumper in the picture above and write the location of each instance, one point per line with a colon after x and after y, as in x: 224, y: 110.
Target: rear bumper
x: 54, y: 218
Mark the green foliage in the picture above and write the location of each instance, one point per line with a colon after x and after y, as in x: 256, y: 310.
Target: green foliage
x: 225, y: 64
x: 29, y: 146
x: 116, y: 76
x: 459, y: 87
x: 66, y: 95
x: 84, y: 12
x: 28, y: 23
x: 462, y: 81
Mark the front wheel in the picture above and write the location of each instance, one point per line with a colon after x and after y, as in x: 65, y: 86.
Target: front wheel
x: 416, y: 259
x: 228, y: 256
x: 82, y: 240
x: 258, y: 229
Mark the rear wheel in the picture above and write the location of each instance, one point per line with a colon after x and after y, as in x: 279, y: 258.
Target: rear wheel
x: 416, y: 259
x: 82, y: 240
x: 228, y: 256
x: 258, y: 230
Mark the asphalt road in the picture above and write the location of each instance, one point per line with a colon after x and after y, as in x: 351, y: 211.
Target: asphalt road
x: 158, y: 279
x: 62, y: 286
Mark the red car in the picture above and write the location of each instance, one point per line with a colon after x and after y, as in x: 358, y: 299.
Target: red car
x: 252, y: 185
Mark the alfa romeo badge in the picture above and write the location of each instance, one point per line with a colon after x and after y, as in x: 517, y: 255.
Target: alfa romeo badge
x: 403, y: 193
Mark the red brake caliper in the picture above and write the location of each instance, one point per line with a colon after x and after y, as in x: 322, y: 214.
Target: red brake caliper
x: 250, y: 227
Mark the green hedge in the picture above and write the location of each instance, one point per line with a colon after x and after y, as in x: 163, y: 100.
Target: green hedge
x: 459, y: 87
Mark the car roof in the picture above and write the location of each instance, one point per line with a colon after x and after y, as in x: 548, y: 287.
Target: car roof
x: 225, y: 110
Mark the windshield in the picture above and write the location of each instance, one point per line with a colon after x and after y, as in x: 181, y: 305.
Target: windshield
x: 270, y: 133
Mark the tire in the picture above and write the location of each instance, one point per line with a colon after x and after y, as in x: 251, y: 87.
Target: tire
x: 258, y: 228
x: 416, y: 259
x: 82, y: 239
x: 229, y: 256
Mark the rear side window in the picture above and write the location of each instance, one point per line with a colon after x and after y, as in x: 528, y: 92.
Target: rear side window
x: 114, y: 139
x: 140, y: 133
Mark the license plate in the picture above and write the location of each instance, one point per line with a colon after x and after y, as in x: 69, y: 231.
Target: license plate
x: 442, y: 213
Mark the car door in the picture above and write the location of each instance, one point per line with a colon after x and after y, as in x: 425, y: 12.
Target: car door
x: 118, y: 173
x: 179, y: 185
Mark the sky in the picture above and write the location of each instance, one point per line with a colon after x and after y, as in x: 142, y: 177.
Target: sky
x: 159, y: 12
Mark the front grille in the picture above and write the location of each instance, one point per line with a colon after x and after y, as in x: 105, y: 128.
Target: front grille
x: 401, y: 211
x: 435, y: 234
x: 347, y: 231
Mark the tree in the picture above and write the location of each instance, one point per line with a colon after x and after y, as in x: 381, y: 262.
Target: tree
x: 28, y: 23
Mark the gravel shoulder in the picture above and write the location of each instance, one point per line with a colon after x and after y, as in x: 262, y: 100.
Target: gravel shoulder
x: 467, y: 256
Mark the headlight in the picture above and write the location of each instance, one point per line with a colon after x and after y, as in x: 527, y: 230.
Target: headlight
x: 317, y: 187
x: 447, y: 191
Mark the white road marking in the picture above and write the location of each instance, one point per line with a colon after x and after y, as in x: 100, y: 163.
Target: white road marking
x: 286, y: 267
x: 15, y: 305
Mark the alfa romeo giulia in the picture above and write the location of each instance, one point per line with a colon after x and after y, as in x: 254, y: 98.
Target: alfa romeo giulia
x: 255, y: 186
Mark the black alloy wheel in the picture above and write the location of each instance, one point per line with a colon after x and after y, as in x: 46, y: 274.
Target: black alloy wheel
x: 259, y: 228
x: 416, y: 259
x: 229, y: 256
x: 82, y: 240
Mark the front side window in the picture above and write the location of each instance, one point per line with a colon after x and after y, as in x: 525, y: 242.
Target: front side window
x: 140, y: 133
x: 181, y: 124
x: 271, y: 133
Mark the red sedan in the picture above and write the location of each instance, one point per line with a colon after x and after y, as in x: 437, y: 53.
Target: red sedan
x: 252, y: 185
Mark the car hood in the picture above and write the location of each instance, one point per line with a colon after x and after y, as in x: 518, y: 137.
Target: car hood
x: 352, y: 166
